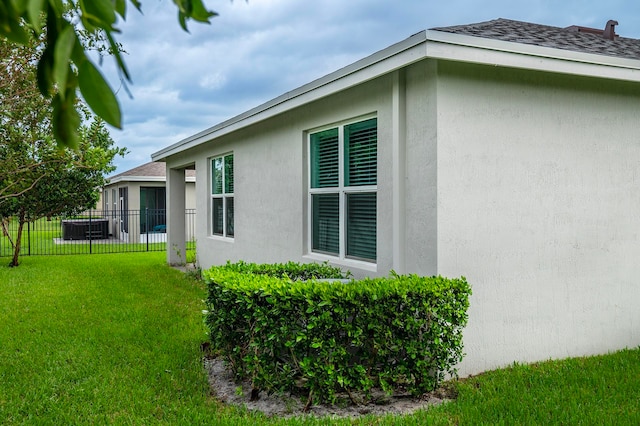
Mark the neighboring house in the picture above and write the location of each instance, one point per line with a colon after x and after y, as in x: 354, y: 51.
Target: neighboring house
x: 505, y: 152
x: 135, y: 202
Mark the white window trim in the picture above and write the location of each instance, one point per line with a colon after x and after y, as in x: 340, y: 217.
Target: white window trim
x: 342, y: 192
x: 224, y: 196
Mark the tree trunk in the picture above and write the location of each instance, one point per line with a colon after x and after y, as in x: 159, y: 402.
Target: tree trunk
x: 16, y: 246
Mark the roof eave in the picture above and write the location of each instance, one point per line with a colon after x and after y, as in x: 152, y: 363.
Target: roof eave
x: 464, y: 48
x: 393, y: 57
x: 154, y: 179
x: 426, y: 44
x: 119, y: 179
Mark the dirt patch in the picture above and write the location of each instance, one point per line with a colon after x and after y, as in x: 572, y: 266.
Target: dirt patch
x: 229, y: 392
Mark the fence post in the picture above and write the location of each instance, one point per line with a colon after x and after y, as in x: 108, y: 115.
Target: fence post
x: 90, y: 232
x: 146, y: 225
x: 29, y: 238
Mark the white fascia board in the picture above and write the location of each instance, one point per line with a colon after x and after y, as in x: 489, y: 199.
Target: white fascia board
x: 137, y: 179
x: 394, y: 57
x: 463, y: 48
x: 145, y: 179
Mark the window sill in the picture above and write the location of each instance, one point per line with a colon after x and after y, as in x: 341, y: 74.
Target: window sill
x: 220, y: 238
x: 348, y: 263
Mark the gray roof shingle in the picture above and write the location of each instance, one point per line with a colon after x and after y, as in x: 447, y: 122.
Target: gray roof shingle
x: 152, y: 169
x: 548, y: 36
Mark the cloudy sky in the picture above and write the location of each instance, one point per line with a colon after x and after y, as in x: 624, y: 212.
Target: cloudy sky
x: 256, y: 50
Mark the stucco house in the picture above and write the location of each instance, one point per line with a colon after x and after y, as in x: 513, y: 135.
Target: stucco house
x: 506, y: 152
x: 134, y: 201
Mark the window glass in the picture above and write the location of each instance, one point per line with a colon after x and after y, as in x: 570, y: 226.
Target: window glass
x: 361, y: 226
x: 228, y: 174
x: 216, y: 175
x: 229, y: 212
x: 218, y: 217
x: 324, y: 159
x: 361, y: 153
x: 326, y: 217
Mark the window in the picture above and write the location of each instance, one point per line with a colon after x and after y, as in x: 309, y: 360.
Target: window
x: 106, y: 202
x: 124, y: 208
x: 342, y: 190
x: 222, y: 208
x: 115, y: 203
x: 153, y: 203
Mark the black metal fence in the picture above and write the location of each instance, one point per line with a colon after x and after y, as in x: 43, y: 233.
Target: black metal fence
x: 95, y: 232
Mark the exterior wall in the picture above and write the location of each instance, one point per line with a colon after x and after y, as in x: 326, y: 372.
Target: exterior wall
x: 114, y: 219
x: 271, y: 178
x: 176, y: 205
x: 99, y: 204
x: 538, y: 206
x: 421, y: 170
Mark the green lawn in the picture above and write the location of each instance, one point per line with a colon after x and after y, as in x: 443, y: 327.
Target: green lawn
x: 115, y: 339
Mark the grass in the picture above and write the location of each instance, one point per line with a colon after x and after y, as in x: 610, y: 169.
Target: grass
x: 116, y: 340
x: 100, y: 339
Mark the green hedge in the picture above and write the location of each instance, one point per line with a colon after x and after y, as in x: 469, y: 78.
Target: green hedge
x: 285, y: 330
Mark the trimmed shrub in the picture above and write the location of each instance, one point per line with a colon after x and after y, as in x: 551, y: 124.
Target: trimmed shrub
x: 286, y: 329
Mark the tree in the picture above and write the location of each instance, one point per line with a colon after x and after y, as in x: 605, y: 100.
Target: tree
x: 63, y: 66
x: 37, y: 177
x: 24, y: 116
x: 59, y: 181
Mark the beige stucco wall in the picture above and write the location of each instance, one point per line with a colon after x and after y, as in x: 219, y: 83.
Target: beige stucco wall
x: 538, y: 201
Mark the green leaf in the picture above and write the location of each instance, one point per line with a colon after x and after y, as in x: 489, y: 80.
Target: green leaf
x: 98, y: 94
x: 34, y: 10
x: 121, y: 8
x: 137, y: 5
x: 184, y: 6
x: 19, y: 6
x: 13, y: 31
x: 182, y: 19
x: 66, y: 120
x: 61, y: 57
x: 192, y: 9
x: 200, y: 13
x: 44, y: 74
x: 102, y: 13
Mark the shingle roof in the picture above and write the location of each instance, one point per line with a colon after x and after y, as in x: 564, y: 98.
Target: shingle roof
x: 548, y: 36
x: 151, y: 169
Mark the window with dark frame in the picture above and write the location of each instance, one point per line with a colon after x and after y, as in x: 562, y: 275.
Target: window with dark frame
x: 343, y: 190
x: 222, y: 196
x: 153, y: 204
